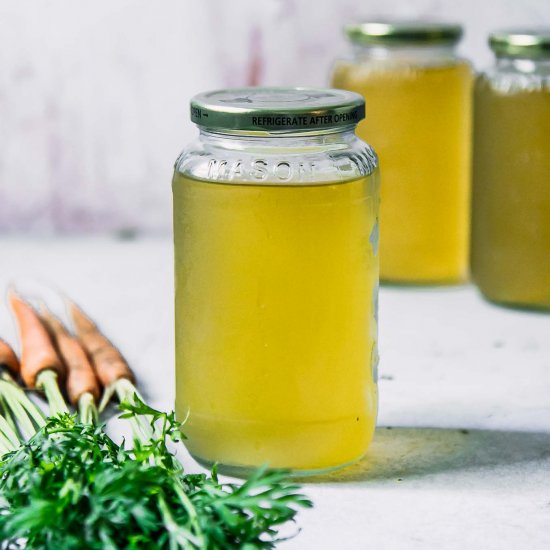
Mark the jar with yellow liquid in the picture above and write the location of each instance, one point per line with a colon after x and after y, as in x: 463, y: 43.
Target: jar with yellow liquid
x: 511, y: 184
x: 419, y: 97
x: 276, y: 268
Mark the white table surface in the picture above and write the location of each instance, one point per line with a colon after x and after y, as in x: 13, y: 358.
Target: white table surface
x: 461, y: 459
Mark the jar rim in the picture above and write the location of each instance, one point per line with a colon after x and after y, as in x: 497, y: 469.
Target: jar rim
x: 527, y: 43
x: 276, y: 109
x: 403, y: 33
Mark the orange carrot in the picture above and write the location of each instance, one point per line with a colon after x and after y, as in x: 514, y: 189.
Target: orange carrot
x: 81, y: 377
x: 37, y: 350
x: 8, y: 359
x: 108, y: 362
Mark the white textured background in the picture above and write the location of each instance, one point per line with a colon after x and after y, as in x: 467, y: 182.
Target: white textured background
x: 94, y: 94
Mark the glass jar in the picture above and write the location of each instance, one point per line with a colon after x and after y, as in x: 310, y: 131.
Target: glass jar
x: 511, y: 185
x: 419, y: 97
x: 276, y: 235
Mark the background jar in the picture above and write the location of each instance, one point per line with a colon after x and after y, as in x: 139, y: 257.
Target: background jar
x: 276, y: 228
x: 511, y: 184
x: 418, y: 94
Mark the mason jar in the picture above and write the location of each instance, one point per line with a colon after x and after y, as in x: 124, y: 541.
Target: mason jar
x: 276, y: 268
x: 419, y: 96
x: 511, y: 185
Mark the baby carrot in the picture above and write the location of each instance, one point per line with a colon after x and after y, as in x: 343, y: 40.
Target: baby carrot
x: 81, y: 377
x: 110, y: 366
x: 8, y: 359
x: 38, y: 353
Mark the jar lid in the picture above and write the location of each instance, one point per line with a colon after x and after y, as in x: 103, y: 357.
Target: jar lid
x: 276, y: 109
x: 532, y: 43
x: 403, y: 33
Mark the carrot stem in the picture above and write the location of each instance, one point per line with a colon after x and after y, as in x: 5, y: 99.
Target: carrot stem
x: 3, y: 449
x: 108, y: 393
x: 47, y: 381
x: 178, y: 539
x: 127, y: 392
x: 87, y: 409
x: 5, y: 446
x: 24, y: 423
x: 191, y: 511
x: 9, y: 434
x: 7, y: 413
x: 19, y: 409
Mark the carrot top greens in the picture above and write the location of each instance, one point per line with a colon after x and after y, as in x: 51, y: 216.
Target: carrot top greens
x: 71, y: 486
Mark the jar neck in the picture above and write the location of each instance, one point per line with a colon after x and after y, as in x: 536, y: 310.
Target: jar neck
x: 405, y: 53
x: 303, y: 140
x: 523, y: 65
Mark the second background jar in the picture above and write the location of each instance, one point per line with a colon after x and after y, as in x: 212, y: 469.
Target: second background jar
x: 418, y: 96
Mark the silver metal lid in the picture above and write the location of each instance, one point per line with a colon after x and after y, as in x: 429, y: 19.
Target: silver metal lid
x: 403, y: 33
x: 526, y: 43
x: 276, y: 109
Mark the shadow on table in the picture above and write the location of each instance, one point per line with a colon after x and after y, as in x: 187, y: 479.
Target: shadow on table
x: 404, y: 453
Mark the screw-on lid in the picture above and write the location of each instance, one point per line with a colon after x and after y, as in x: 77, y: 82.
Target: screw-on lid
x: 276, y: 109
x: 403, y: 33
x: 532, y: 43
